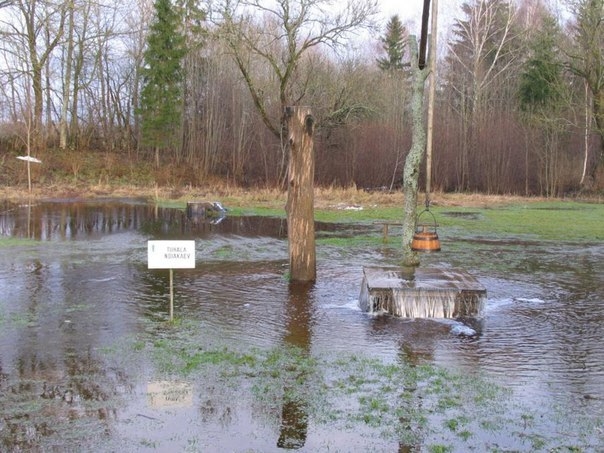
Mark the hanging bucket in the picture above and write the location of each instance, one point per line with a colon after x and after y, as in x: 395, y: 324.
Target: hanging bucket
x: 425, y: 238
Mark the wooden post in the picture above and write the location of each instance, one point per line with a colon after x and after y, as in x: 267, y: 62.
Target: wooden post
x: 300, y: 194
x: 29, y: 177
x: 431, y: 96
x: 171, y: 295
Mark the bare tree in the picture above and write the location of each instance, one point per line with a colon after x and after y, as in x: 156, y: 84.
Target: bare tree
x: 414, y: 158
x: 482, y: 52
x: 136, y: 21
x: 269, y: 41
x: 68, y: 64
x: 35, y: 19
x: 587, y: 62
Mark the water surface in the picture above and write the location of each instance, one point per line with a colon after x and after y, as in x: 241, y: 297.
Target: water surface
x: 83, y: 327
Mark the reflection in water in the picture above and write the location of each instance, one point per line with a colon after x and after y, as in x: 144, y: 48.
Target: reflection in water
x: 169, y: 394
x: 294, y: 413
x: 69, y: 389
x: 299, y: 315
x: 84, y: 289
x: 87, y: 220
x: 54, y: 221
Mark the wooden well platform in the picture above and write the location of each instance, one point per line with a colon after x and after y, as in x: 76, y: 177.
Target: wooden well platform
x: 421, y: 292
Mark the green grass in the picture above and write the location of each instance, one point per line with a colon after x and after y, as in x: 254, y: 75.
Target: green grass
x: 353, y: 241
x: 556, y: 220
x: 552, y: 220
x: 13, y: 242
x: 256, y: 211
x: 366, y: 215
x: 379, y: 394
x: 547, y: 220
x: 18, y: 320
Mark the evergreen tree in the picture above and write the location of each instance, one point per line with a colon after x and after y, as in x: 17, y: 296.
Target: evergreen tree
x: 541, y: 82
x: 161, y: 95
x: 543, y: 94
x: 394, y: 43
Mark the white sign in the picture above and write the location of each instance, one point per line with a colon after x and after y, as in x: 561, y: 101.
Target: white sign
x: 171, y: 254
x: 30, y: 159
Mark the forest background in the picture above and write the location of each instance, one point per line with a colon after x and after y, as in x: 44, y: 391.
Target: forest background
x: 187, y: 94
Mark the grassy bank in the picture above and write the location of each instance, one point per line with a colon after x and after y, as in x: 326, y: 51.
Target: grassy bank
x: 493, y: 215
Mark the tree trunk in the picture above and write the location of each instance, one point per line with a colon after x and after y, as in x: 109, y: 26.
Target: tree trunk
x: 300, y: 194
x: 63, y: 139
x: 598, y: 112
x: 413, y: 160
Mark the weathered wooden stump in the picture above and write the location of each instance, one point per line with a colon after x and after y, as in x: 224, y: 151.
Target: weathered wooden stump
x: 300, y: 195
x: 421, y: 292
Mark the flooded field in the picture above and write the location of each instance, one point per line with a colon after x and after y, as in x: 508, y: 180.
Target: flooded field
x: 89, y: 361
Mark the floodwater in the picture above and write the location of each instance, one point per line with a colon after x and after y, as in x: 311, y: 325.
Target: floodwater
x: 89, y: 363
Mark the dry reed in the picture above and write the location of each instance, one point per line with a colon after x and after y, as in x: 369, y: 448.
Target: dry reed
x: 325, y: 197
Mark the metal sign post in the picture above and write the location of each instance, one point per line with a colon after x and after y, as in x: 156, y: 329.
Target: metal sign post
x: 171, y: 255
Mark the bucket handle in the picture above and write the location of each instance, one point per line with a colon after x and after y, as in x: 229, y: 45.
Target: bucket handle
x: 434, y: 224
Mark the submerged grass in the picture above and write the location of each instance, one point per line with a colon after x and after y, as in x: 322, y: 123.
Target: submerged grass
x: 6, y: 242
x: 420, y: 406
x: 412, y: 405
x: 54, y: 413
x: 404, y: 403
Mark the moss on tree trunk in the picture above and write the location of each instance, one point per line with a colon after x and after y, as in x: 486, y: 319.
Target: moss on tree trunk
x: 414, y: 159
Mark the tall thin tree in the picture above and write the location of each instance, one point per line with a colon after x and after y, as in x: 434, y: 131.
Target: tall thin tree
x: 161, y: 95
x: 587, y: 61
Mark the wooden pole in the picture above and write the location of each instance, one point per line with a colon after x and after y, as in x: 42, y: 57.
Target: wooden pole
x: 431, y: 96
x: 421, y: 61
x: 300, y: 194
x: 29, y: 176
x: 171, y: 295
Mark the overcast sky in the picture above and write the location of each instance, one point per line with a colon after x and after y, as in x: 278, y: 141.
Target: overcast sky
x: 410, y: 12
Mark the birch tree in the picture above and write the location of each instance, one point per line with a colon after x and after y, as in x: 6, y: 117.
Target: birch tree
x: 586, y: 60
x: 35, y: 26
x: 480, y: 54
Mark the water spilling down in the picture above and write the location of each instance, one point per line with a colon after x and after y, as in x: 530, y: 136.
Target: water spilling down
x: 421, y: 292
x: 88, y: 361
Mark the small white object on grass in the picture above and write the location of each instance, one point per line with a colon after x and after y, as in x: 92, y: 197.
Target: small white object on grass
x: 30, y: 159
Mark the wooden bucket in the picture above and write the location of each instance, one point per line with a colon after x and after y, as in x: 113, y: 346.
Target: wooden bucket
x: 425, y: 238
